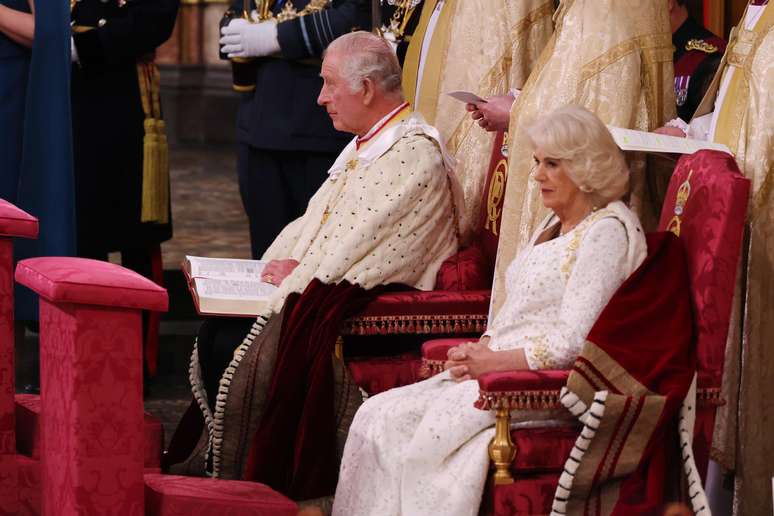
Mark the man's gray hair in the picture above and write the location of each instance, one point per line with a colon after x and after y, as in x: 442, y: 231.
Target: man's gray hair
x: 368, y: 57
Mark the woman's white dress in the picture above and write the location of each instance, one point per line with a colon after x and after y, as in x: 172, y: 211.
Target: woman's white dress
x: 422, y: 449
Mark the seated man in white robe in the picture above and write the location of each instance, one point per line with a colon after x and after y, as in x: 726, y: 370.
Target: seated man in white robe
x: 385, y: 215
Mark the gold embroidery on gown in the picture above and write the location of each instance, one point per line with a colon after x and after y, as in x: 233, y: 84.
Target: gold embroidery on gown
x: 612, y: 57
x: 483, y: 46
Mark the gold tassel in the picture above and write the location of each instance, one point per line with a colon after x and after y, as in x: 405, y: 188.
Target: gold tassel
x: 149, y: 170
x: 155, y: 180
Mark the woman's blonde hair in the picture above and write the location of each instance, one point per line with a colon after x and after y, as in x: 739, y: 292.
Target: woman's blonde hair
x: 587, y: 150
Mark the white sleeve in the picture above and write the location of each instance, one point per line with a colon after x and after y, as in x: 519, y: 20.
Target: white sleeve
x: 699, y: 128
x: 599, y: 269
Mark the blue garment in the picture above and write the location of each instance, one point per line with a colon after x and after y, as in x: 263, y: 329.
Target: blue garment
x: 14, y: 67
x: 46, y: 188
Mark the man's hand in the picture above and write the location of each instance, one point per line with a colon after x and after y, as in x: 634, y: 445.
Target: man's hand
x: 277, y: 270
x: 244, y: 39
x: 670, y: 131
x: 494, y: 114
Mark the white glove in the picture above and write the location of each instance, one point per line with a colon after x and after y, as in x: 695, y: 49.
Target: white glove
x: 244, y: 39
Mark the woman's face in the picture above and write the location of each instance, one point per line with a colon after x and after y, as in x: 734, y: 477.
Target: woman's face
x: 557, y: 189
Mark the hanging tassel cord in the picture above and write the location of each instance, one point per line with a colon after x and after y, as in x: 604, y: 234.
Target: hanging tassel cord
x: 155, y: 163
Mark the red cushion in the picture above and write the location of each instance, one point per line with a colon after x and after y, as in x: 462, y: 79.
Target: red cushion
x: 375, y: 375
x: 28, y: 431
x: 474, y: 302
x: 437, y: 349
x: 15, y: 222
x: 711, y: 225
x: 172, y: 495
x: 90, y: 282
x: 509, y: 381
x: 466, y: 270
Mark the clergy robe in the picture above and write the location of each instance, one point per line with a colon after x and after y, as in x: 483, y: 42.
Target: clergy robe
x: 738, y: 111
x: 615, y: 59
x: 483, y: 46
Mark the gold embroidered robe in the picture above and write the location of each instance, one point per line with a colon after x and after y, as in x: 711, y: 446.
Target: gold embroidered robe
x: 614, y: 58
x: 483, y: 46
x: 745, y: 123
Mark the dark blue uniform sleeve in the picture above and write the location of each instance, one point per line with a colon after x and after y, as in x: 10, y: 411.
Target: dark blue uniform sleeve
x: 144, y: 26
x: 308, y: 36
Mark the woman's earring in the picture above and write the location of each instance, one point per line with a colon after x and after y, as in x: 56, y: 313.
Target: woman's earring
x: 586, y: 189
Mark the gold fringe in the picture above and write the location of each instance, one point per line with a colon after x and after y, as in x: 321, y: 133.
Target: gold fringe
x: 155, y: 163
x: 415, y: 324
x: 519, y: 400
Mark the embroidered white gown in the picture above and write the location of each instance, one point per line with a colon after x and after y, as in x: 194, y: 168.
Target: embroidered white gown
x: 422, y: 449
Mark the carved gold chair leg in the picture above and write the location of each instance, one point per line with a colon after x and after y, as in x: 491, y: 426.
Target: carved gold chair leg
x: 502, y: 451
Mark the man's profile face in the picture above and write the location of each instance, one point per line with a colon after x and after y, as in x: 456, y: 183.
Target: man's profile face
x: 343, y: 106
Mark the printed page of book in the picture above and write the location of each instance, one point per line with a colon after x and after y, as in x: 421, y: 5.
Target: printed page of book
x: 226, y: 268
x: 233, y: 289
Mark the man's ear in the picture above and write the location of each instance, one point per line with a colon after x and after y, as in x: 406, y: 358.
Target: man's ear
x: 369, y: 91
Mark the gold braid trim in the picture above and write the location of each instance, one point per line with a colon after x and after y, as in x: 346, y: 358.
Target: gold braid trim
x: 155, y: 159
x: 518, y: 400
x: 415, y: 324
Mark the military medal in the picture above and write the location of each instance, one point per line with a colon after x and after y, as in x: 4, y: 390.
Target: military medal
x: 681, y: 88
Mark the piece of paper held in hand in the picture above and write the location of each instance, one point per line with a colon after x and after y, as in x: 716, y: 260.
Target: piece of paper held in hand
x: 466, y: 96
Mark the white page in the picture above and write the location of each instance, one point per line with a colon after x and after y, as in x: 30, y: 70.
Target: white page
x: 227, y: 268
x: 466, y: 96
x: 629, y: 139
x: 233, y: 289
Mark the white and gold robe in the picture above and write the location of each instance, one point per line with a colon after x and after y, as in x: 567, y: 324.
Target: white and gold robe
x: 386, y: 214
x: 422, y: 449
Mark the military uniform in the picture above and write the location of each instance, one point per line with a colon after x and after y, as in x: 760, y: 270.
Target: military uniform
x: 286, y: 142
x: 110, y: 37
x: 400, y: 17
x: 697, y: 55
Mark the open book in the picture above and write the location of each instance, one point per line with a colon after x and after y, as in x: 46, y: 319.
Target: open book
x: 226, y: 286
x: 631, y: 140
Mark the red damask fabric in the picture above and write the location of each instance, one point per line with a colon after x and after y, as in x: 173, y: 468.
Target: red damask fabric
x: 92, y: 282
x: 375, y: 375
x: 710, y: 221
x: 428, y: 303
x: 172, y: 495
x: 469, y: 269
x: 92, y: 434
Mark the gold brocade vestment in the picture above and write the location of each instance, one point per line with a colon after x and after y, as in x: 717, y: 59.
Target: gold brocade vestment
x: 483, y: 46
x: 612, y: 57
x: 742, y: 440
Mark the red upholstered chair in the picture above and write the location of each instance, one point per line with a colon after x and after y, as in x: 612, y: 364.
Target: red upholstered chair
x: 93, y: 453
x: 705, y: 206
x: 14, y: 495
x: 400, y: 321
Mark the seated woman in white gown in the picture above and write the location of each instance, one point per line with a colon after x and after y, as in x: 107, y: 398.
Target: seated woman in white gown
x: 422, y: 449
